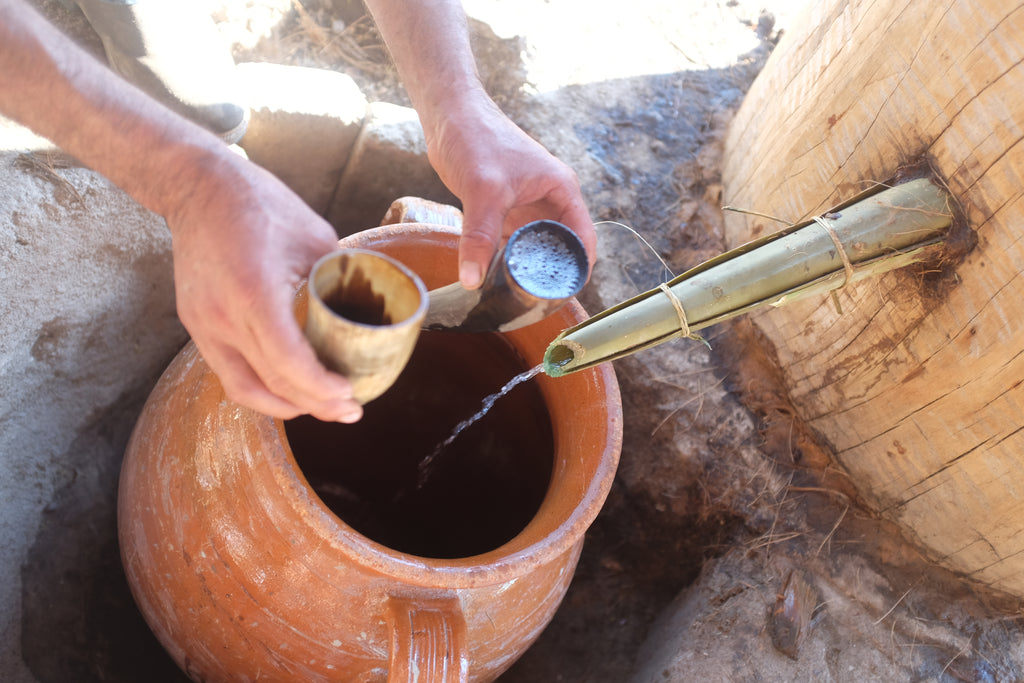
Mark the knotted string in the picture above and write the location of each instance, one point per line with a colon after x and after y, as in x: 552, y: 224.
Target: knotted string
x: 847, y: 264
x: 684, y: 324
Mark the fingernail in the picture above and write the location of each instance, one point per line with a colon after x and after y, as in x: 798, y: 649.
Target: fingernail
x: 350, y: 416
x: 470, y: 274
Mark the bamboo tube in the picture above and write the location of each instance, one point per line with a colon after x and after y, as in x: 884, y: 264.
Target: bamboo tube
x: 873, y: 233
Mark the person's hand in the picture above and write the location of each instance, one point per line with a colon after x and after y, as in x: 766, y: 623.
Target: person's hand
x: 243, y: 243
x: 505, y: 179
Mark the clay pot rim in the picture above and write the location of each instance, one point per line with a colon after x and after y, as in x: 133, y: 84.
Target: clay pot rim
x: 536, y: 545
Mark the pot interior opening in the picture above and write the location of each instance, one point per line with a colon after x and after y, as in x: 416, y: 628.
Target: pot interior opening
x: 480, y: 491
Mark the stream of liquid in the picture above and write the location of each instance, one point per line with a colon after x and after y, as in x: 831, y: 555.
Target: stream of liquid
x: 486, y: 484
x: 427, y: 464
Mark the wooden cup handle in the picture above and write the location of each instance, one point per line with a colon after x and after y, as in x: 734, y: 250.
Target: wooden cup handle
x: 428, y: 641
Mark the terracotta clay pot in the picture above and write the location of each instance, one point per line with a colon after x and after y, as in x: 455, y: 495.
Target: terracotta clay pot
x: 244, y: 573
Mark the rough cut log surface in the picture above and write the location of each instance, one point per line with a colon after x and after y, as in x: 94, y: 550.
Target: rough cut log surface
x: 918, y: 384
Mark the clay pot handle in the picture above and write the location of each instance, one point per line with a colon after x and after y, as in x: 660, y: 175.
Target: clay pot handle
x: 428, y: 641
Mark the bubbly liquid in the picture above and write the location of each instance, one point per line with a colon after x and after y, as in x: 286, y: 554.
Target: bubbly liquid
x: 545, y: 266
x: 482, y: 490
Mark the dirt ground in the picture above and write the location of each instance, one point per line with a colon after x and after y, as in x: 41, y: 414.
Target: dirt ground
x: 721, y: 493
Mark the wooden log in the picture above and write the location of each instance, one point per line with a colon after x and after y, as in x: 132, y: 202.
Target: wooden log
x: 919, y: 384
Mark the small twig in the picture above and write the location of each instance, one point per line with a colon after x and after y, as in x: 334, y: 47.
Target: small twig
x: 643, y: 241
x: 764, y: 463
x: 756, y: 213
x: 882, y: 618
x: 821, y: 489
x: 47, y: 168
x: 699, y: 397
x: 834, y: 527
x: 775, y: 520
x: 957, y: 656
x: 676, y: 410
x: 772, y: 541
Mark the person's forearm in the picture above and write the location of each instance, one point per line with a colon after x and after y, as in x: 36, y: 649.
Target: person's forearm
x: 242, y: 241
x: 58, y: 90
x: 429, y: 42
x: 503, y: 177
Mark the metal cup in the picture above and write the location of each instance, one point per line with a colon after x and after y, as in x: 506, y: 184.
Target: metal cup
x: 543, y: 265
x: 364, y: 316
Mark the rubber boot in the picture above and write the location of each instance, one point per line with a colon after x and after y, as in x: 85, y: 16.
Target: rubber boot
x: 171, y: 50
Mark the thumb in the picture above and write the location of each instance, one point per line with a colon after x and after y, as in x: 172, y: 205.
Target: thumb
x: 481, y: 237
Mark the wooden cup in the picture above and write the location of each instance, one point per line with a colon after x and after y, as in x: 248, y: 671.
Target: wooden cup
x: 364, y: 316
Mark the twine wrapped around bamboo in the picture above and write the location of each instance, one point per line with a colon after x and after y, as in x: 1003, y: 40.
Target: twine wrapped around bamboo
x: 872, y: 233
